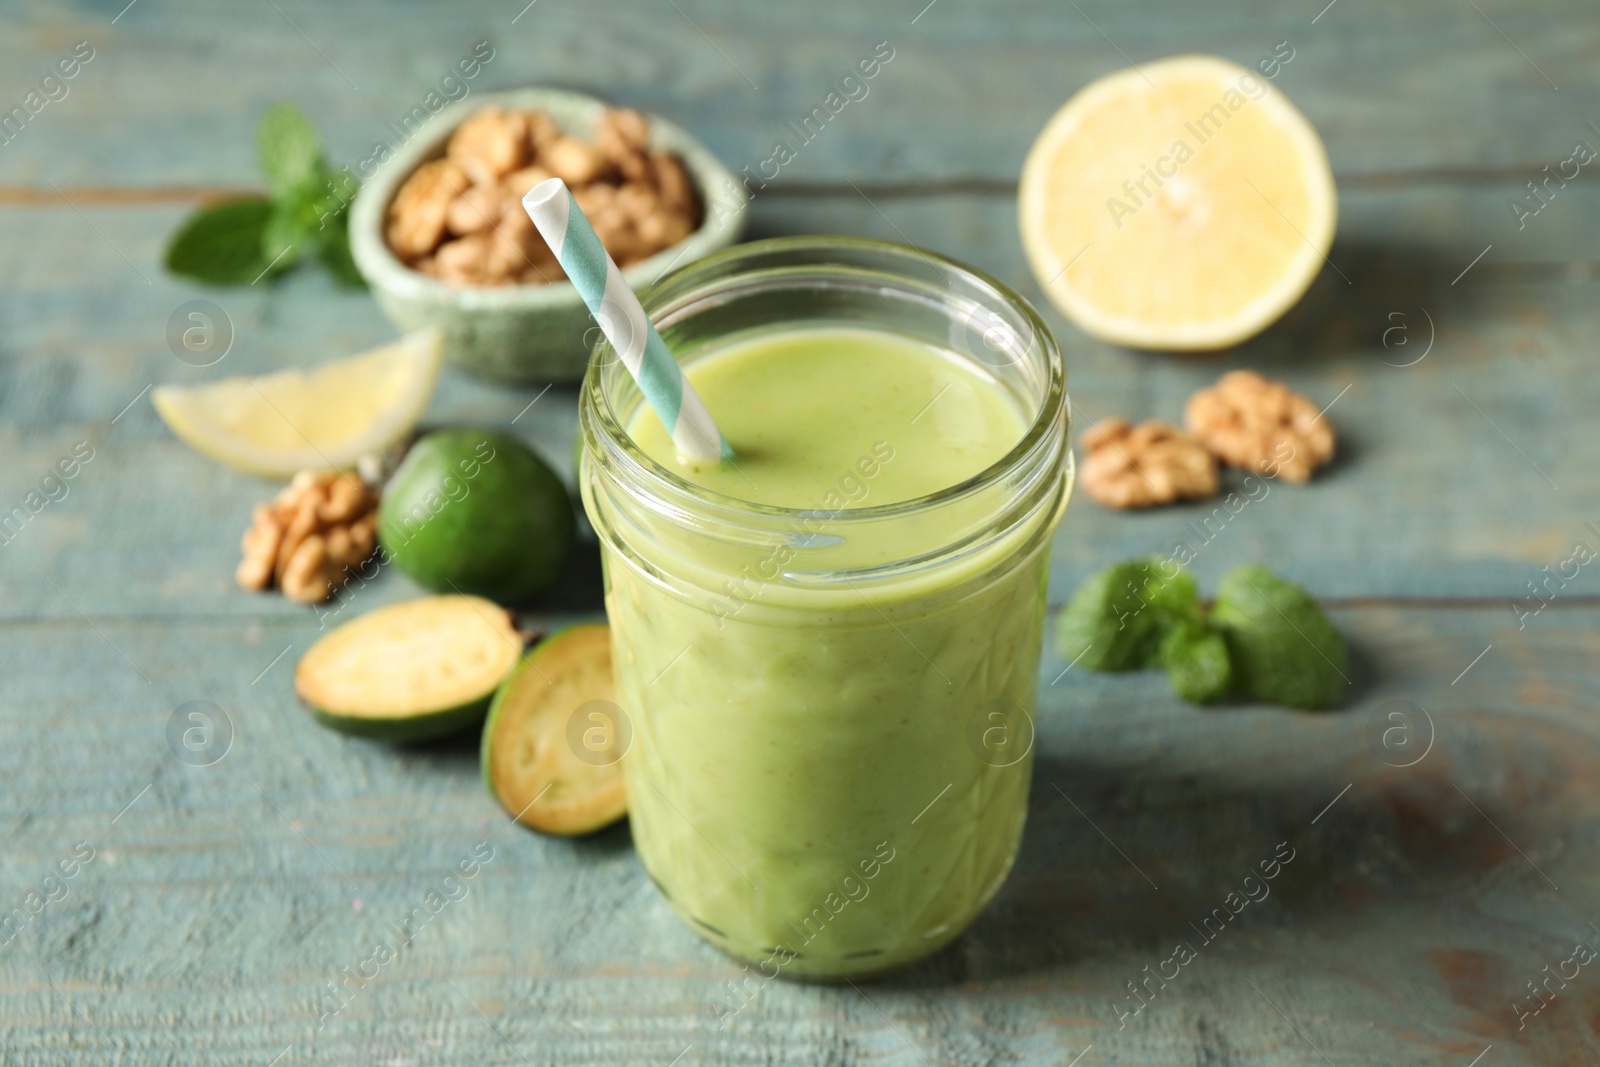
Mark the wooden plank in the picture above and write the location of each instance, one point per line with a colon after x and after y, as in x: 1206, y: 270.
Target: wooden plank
x: 1439, y: 858
x: 220, y: 898
x: 1421, y: 87
x: 1440, y: 489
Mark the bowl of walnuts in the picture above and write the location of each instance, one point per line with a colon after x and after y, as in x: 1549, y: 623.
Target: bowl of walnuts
x: 441, y: 237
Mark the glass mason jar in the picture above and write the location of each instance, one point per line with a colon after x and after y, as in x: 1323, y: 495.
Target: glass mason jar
x: 831, y: 708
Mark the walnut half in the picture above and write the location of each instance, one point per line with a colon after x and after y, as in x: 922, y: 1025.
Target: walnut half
x: 1141, y: 466
x: 310, y: 536
x: 1250, y: 422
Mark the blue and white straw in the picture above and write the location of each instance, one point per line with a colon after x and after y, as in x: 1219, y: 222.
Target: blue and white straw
x: 620, y: 315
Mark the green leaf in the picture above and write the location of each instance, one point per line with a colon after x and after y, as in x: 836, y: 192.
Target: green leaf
x: 285, y: 236
x: 1197, y: 662
x: 1116, y: 620
x: 314, y: 220
x: 335, y: 254
x: 1175, y: 596
x: 287, y: 148
x: 223, y: 244
x: 339, y: 188
x: 1284, y: 649
x: 305, y: 214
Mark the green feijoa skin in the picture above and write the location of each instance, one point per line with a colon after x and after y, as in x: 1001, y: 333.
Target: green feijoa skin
x: 477, y: 512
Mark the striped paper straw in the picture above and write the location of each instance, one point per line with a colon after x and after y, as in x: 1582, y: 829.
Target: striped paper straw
x: 620, y: 315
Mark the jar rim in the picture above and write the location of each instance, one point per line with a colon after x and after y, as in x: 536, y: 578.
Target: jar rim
x: 1053, y: 407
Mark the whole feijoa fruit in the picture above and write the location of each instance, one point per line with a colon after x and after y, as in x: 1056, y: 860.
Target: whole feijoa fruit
x: 475, y: 511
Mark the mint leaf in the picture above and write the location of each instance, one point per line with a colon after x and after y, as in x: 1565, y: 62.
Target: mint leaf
x: 223, y: 244
x: 1284, y: 649
x: 1116, y: 620
x: 1173, y: 597
x: 284, y: 236
x: 242, y: 242
x: 287, y: 148
x: 1197, y: 662
x: 335, y: 255
x: 327, y: 221
x: 311, y: 218
x: 295, y: 215
x: 339, y: 188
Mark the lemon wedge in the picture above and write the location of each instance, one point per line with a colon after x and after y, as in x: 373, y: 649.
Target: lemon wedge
x: 1182, y: 204
x: 325, y: 417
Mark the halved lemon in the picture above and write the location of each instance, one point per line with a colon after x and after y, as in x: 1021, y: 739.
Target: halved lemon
x: 326, y: 417
x: 1182, y: 204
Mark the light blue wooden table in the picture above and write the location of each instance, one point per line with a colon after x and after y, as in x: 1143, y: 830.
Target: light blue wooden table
x: 1433, y: 879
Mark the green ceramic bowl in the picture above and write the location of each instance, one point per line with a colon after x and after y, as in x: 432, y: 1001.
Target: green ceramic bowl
x: 524, y: 333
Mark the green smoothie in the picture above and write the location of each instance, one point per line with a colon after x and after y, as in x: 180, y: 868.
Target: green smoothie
x: 802, y: 407
x: 829, y: 776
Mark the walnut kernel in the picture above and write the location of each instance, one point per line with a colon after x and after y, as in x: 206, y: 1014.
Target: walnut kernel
x: 1250, y: 422
x: 417, y: 216
x: 573, y: 161
x: 490, y: 144
x: 310, y: 536
x: 1141, y: 466
x: 460, y: 219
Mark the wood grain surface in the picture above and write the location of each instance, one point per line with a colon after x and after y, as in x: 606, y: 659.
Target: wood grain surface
x: 1442, y: 823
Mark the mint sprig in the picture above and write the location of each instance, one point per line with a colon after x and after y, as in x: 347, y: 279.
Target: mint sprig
x: 1197, y: 661
x: 1284, y: 649
x: 1264, y: 638
x: 1116, y: 621
x: 223, y: 244
x: 305, y: 214
x: 288, y: 150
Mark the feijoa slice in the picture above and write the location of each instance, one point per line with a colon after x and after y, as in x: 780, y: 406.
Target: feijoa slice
x: 554, y: 740
x: 410, y: 671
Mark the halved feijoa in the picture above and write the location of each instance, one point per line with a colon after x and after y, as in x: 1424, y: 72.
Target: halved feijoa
x: 554, y: 741
x: 409, y: 671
